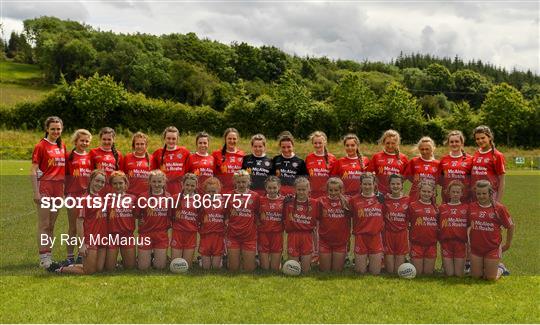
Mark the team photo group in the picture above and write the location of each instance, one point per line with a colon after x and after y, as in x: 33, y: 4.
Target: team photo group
x: 242, y: 211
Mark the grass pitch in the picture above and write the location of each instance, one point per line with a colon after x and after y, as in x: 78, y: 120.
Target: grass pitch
x: 31, y: 295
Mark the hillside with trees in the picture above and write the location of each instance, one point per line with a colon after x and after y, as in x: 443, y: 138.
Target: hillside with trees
x: 142, y: 81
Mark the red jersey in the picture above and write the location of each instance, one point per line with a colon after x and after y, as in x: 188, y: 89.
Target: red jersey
x: 270, y: 214
x: 455, y: 168
x: 349, y: 170
x: 488, y: 165
x: 334, y: 221
x: 453, y: 221
x: 367, y: 215
x: 242, y: 220
x: 104, y: 159
x: 300, y: 216
x: 225, y: 167
x: 137, y: 170
x: 423, y: 220
x: 202, y: 166
x: 122, y: 220
x: 186, y: 217
x: 78, y: 170
x: 94, y: 219
x: 51, y: 160
x: 173, y: 164
x: 158, y: 218
x: 486, y: 225
x: 318, y: 168
x: 384, y: 164
x: 418, y: 169
x: 212, y: 220
x: 395, y: 213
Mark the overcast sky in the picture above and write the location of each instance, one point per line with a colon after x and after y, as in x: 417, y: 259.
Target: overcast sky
x: 505, y: 33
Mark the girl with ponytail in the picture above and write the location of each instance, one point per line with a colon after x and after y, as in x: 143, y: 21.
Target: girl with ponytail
x: 456, y: 165
x: 137, y: 165
x: 201, y: 163
x: 228, y: 159
x: 388, y: 161
x: 488, y: 163
x: 106, y: 157
x: 48, y: 174
x: 425, y: 166
x: 352, y: 166
x: 78, y: 170
x: 171, y: 159
x: 287, y: 165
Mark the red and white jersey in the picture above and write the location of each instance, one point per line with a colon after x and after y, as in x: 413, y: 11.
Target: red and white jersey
x: 367, y: 215
x: 349, y: 170
x: 122, y: 220
x: 418, y: 169
x: 319, y: 168
x: 423, y: 223
x: 137, y: 170
x: 242, y: 220
x: 104, y: 159
x: 78, y: 170
x: 455, y: 168
x: 395, y: 213
x: 158, y: 218
x: 186, y: 216
x: 384, y: 164
x: 94, y: 218
x: 334, y: 221
x: 204, y: 166
x: 270, y: 214
x: 227, y: 166
x: 300, y: 216
x: 453, y: 221
x: 212, y: 219
x: 486, y: 225
x: 488, y: 165
x: 50, y: 159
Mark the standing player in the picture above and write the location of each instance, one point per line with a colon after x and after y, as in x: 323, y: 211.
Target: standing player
x: 368, y: 223
x: 389, y: 161
x: 334, y: 226
x: 488, y: 163
x: 92, y: 227
x: 456, y: 165
x: 423, y: 167
x: 319, y: 163
x: 422, y: 217
x: 395, y: 236
x: 201, y: 163
x: 242, y: 210
x: 137, y: 165
x: 106, y: 157
x: 47, y: 173
x: 154, y: 222
x: 486, y: 217
x: 212, y: 226
x: 287, y: 165
x: 171, y: 160
x: 270, y: 226
x: 300, y: 219
x: 350, y: 167
x: 78, y: 170
x: 185, y: 222
x: 228, y: 159
x: 453, y: 220
x: 121, y: 225
x: 257, y: 164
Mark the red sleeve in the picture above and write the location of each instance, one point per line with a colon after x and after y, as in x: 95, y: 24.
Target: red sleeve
x: 319, y: 208
x: 335, y: 169
x: 120, y: 161
x: 154, y: 163
x: 504, y: 216
x: 37, y: 155
x: 366, y: 163
x: 92, y: 155
x: 372, y: 164
x: 407, y: 171
x: 188, y: 165
x: 499, y: 164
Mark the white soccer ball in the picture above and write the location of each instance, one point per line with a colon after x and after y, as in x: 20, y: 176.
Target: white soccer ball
x: 406, y: 271
x: 291, y: 267
x: 179, y: 265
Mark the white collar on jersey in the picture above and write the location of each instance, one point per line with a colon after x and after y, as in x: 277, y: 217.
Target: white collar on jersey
x: 200, y: 154
x: 458, y: 156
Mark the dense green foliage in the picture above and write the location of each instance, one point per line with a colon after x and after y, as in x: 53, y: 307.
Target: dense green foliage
x: 262, y: 89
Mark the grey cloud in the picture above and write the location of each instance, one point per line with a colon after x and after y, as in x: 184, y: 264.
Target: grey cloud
x: 65, y: 10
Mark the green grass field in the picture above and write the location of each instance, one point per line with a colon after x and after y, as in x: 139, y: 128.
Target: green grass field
x: 30, y: 295
x: 20, y: 83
